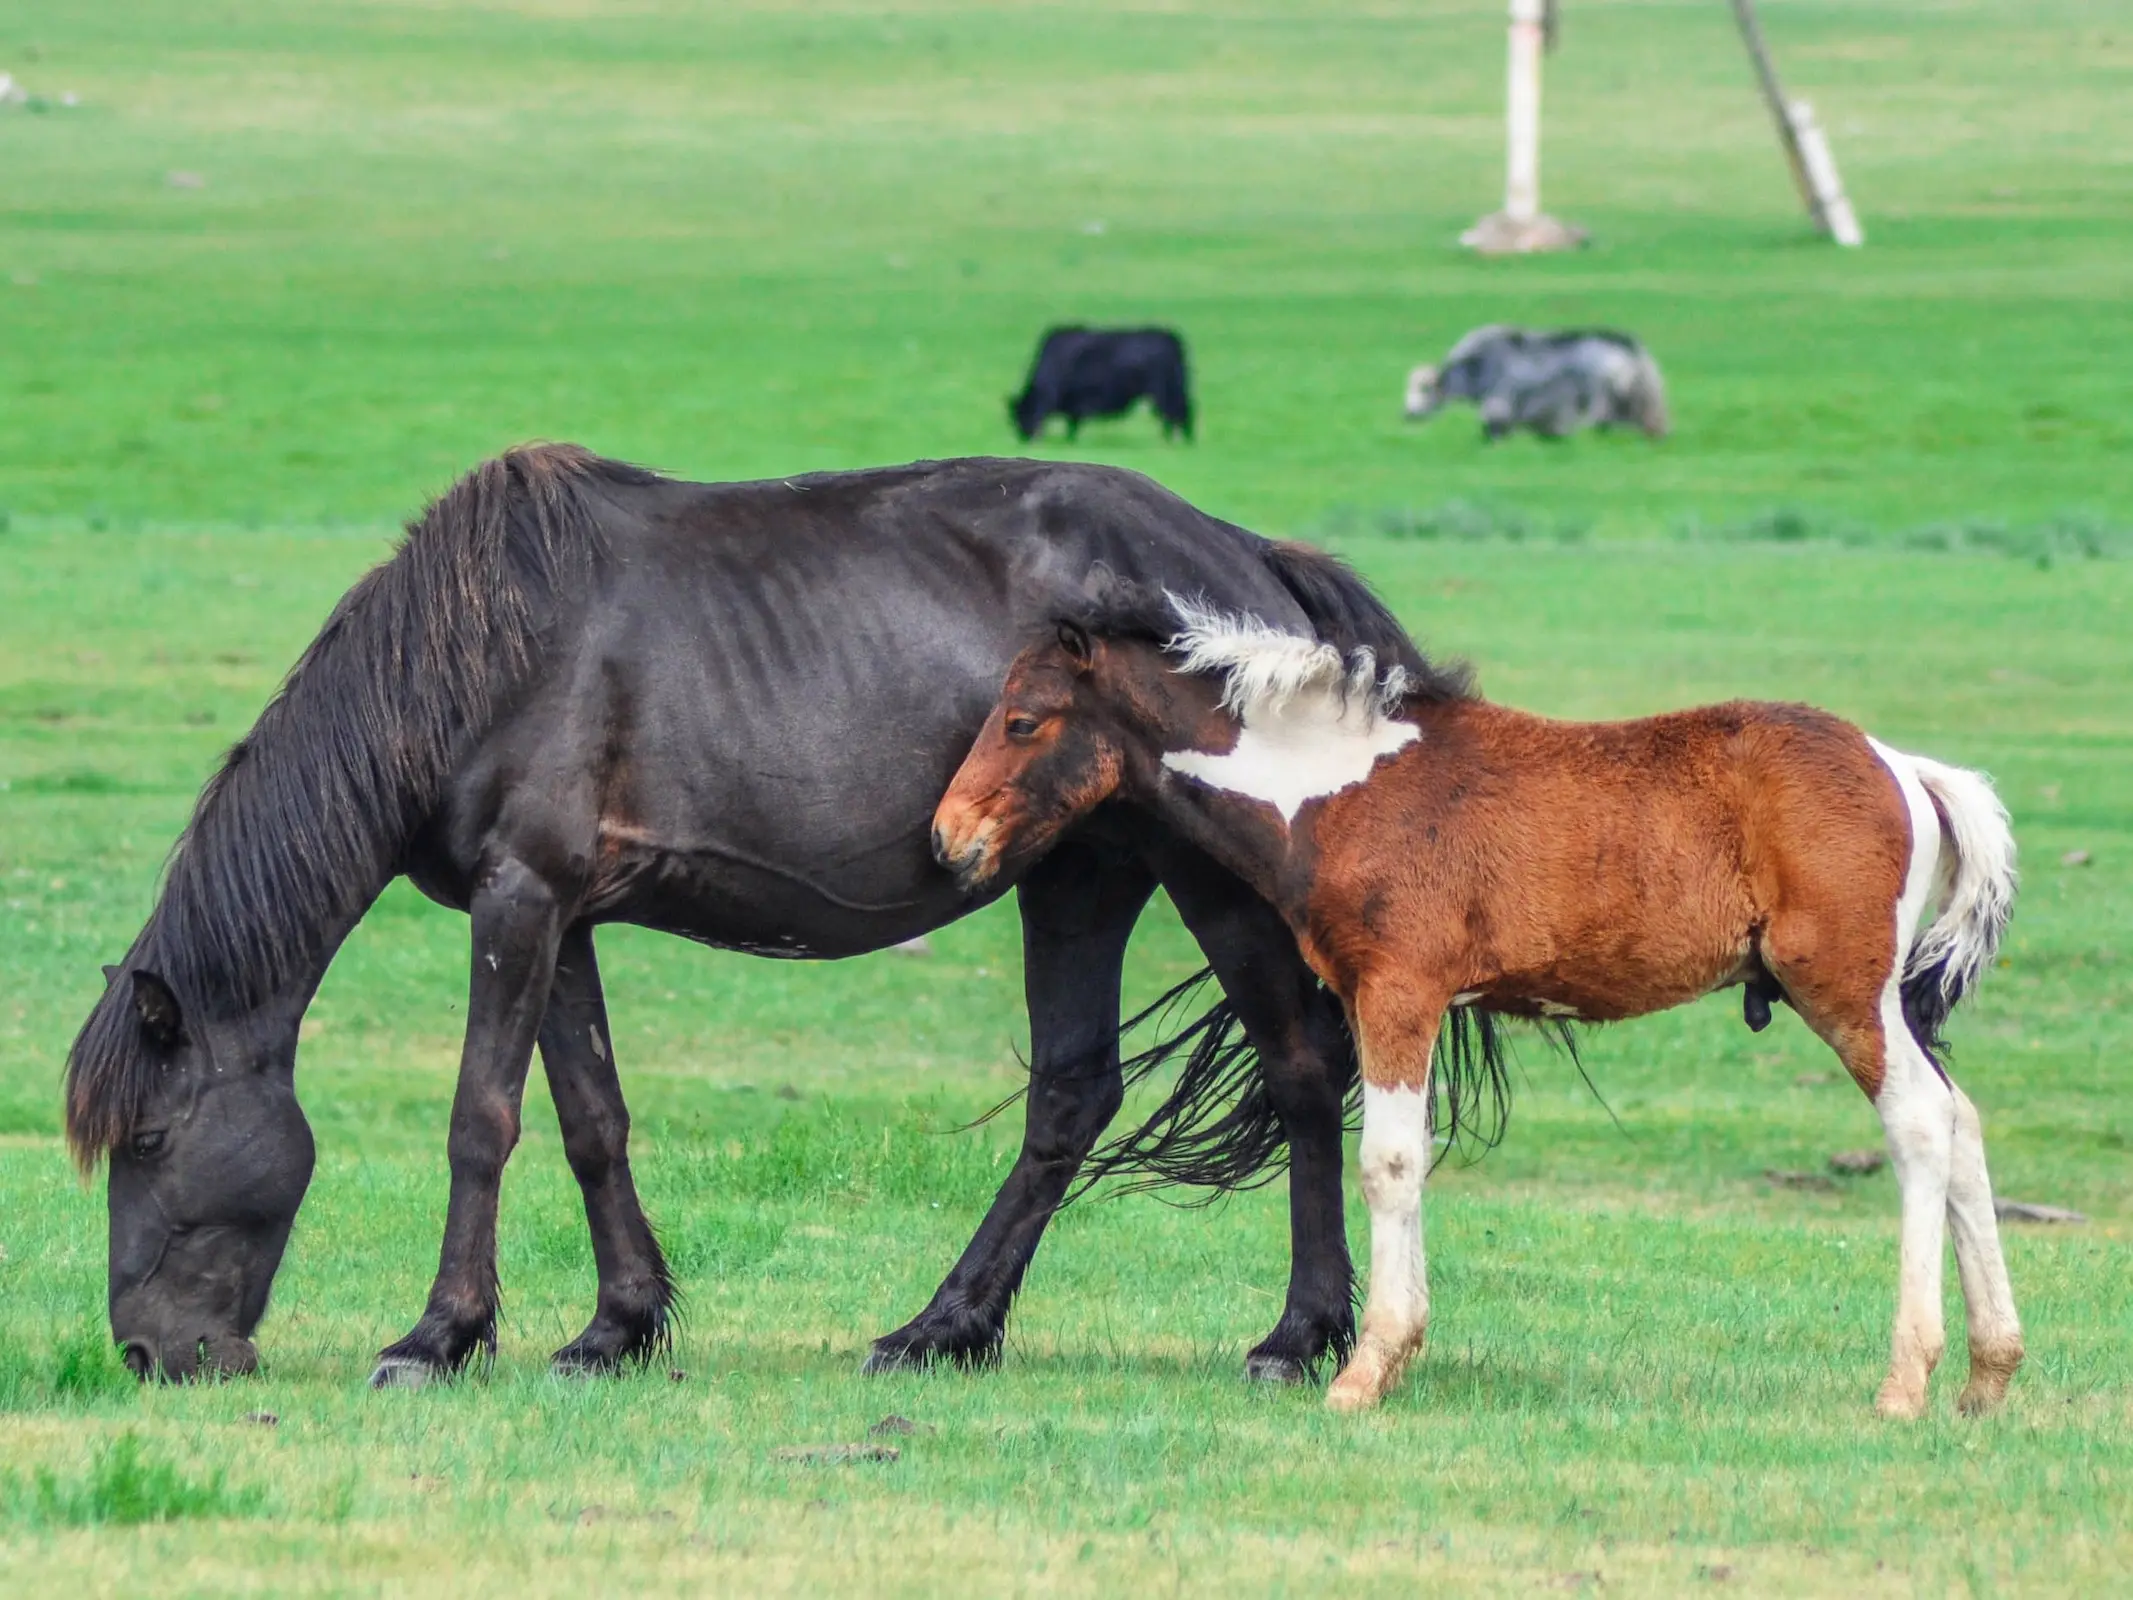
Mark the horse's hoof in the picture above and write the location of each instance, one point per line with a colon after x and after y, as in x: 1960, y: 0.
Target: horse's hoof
x: 1284, y: 1370
x: 402, y: 1372
x: 885, y: 1357
x: 576, y: 1361
x: 910, y: 1349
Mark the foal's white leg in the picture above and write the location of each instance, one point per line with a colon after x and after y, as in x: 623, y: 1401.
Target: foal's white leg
x: 1395, y: 1158
x: 1917, y: 1108
x: 1918, y: 1115
x: 1988, y: 1296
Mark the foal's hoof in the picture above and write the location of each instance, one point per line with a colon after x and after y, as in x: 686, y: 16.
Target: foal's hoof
x: 403, y: 1372
x: 1992, y: 1366
x: 1899, y: 1402
x: 1351, y: 1397
x: 1283, y: 1370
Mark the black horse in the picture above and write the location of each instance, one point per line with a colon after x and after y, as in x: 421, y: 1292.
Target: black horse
x: 583, y: 693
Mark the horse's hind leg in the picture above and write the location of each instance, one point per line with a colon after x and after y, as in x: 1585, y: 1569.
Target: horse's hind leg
x: 1988, y: 1296
x: 516, y: 927
x: 577, y: 1050
x: 1918, y: 1116
x: 1917, y: 1110
x: 1079, y: 905
x: 1295, y: 1026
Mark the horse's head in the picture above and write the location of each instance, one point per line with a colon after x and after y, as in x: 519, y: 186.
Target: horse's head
x: 210, y: 1157
x: 1079, y: 720
x: 1425, y: 393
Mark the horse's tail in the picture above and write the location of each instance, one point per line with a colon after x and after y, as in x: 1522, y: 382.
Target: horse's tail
x: 312, y: 810
x: 1218, y: 1129
x: 1977, y: 894
x: 1647, y: 397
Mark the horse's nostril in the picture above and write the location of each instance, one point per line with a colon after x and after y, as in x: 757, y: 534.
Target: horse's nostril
x: 940, y: 846
x: 139, y: 1359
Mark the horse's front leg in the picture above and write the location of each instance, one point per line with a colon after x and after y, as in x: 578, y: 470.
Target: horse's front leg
x: 1306, y: 1061
x: 577, y: 1050
x: 516, y: 925
x: 1078, y: 909
x: 1396, y: 1032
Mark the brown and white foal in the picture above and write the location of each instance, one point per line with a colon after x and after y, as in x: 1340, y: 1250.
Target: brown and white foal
x: 1432, y: 850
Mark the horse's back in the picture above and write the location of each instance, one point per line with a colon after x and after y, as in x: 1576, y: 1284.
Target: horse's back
x: 741, y: 730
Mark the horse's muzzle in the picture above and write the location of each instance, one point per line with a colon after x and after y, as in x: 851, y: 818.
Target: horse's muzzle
x: 226, y: 1355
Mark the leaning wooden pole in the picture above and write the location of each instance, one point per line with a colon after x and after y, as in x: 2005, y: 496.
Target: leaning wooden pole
x: 1521, y: 226
x: 1814, y: 168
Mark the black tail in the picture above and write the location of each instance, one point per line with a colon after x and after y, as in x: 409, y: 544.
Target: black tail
x: 1217, y: 1128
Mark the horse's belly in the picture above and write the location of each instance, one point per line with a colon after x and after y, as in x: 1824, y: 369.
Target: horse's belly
x: 757, y: 902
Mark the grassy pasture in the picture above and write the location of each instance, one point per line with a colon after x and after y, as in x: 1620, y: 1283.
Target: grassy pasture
x: 748, y: 240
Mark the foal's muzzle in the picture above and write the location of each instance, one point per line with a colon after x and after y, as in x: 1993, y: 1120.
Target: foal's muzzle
x: 966, y: 854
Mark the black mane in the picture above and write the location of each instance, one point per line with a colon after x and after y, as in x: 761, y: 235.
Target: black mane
x: 304, y: 822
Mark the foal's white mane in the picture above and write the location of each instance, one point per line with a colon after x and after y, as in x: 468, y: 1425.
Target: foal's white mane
x: 1265, y: 670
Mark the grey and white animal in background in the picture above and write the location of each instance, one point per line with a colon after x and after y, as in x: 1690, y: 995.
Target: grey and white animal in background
x: 1553, y: 383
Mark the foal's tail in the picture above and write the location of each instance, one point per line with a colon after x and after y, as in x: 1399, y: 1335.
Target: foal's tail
x: 1977, y: 892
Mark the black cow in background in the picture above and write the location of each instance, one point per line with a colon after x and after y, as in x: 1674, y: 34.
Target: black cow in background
x: 1100, y: 372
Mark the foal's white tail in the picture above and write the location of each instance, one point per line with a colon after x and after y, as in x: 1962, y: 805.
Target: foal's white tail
x: 1977, y: 893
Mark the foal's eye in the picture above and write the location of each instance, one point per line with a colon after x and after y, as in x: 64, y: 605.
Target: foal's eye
x: 147, y: 1145
x: 1021, y: 727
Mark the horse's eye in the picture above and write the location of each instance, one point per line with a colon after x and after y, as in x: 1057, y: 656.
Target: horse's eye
x: 148, y: 1145
x: 1021, y: 727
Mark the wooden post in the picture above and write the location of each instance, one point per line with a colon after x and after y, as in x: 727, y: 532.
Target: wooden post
x: 1521, y: 226
x: 1814, y: 168
x: 1522, y: 114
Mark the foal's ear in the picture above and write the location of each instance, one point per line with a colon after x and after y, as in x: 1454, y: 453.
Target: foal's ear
x: 1074, y: 640
x: 158, y: 1007
x: 111, y: 974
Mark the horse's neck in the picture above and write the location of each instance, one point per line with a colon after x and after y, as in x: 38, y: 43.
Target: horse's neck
x: 241, y: 953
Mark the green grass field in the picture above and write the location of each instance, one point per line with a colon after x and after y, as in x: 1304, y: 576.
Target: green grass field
x: 737, y: 241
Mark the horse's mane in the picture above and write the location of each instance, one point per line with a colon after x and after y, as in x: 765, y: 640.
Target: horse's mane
x: 1360, y: 657
x: 1264, y: 670
x: 310, y: 812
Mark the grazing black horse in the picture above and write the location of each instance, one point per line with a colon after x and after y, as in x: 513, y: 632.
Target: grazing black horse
x: 582, y: 693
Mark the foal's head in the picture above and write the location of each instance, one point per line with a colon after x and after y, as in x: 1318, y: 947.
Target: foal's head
x: 1242, y: 713
x: 1077, y: 715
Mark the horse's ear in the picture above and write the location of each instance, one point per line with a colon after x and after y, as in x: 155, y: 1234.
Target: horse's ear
x: 160, y: 1016
x: 1074, y: 640
x: 111, y: 974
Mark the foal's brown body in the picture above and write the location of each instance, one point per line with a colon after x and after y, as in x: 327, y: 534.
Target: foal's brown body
x: 1609, y: 870
x: 1430, y: 850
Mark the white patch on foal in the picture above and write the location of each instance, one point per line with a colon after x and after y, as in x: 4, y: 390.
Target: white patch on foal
x: 1311, y: 723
